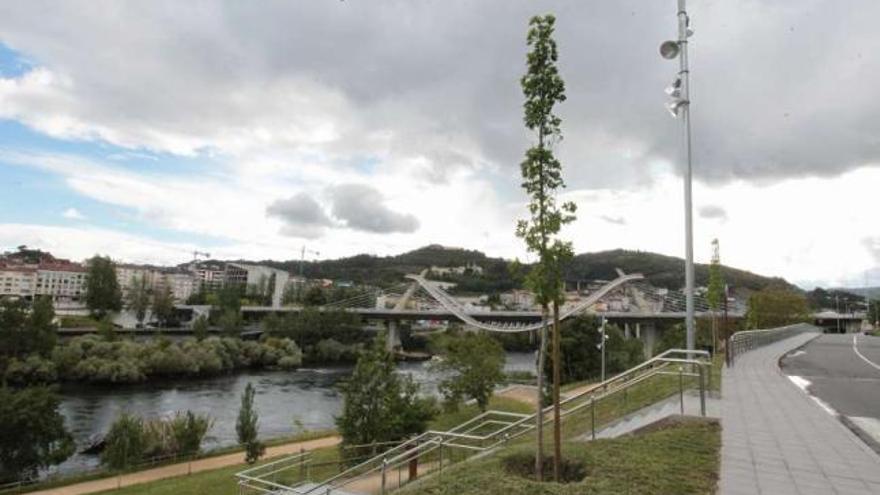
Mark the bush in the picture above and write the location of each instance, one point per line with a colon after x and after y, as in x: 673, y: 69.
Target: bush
x: 126, y: 442
x: 32, y: 370
x: 95, y: 360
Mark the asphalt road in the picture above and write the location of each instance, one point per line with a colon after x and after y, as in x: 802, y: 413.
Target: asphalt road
x: 839, y: 376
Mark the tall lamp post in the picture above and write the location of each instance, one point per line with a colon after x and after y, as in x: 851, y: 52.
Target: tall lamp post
x: 680, y: 107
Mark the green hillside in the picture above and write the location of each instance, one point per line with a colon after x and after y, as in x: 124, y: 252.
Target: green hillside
x: 660, y: 270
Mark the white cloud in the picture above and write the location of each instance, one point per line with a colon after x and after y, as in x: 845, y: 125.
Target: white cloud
x: 73, y: 214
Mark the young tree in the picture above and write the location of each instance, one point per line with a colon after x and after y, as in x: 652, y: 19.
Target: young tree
x: 200, y: 328
x: 138, y: 298
x: 230, y: 323
x: 542, y: 178
x: 247, y: 427
x: 33, y: 435
x: 102, y: 288
x: 43, y: 333
x: 188, y: 431
x: 476, y: 362
x: 125, y: 442
x: 715, y: 294
x: 106, y: 329
x: 771, y: 308
x: 379, y: 404
x: 163, y: 305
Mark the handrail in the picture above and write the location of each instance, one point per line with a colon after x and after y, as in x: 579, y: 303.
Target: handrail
x: 599, y: 391
x: 746, y: 340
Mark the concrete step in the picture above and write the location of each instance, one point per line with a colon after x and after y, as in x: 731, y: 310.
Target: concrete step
x: 305, y: 487
x: 655, y: 412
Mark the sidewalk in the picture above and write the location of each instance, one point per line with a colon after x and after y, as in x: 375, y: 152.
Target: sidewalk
x: 183, y: 468
x: 777, y: 440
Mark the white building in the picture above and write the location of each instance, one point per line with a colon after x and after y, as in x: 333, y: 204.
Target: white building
x: 17, y: 281
x: 63, y: 282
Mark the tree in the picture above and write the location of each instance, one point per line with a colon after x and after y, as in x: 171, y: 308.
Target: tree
x: 40, y: 327
x: 188, y: 431
x: 163, y: 305
x: 24, y: 333
x: 200, y: 328
x: 33, y: 435
x: 230, y: 323
x: 246, y: 427
x: 379, y: 404
x: 771, y: 308
x: 314, y: 297
x: 106, y: 329
x: 476, y: 362
x: 543, y: 88
x: 125, y: 442
x: 102, y: 288
x: 138, y: 298
x: 715, y: 293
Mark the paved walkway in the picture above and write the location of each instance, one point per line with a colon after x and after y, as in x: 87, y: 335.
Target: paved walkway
x: 778, y: 440
x: 183, y: 468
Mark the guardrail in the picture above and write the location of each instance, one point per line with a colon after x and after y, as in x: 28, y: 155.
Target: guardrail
x: 746, y: 340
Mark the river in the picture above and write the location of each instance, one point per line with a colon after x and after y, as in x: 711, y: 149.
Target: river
x: 287, y: 402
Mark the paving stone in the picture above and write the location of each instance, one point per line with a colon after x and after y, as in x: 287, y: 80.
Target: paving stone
x: 776, y: 440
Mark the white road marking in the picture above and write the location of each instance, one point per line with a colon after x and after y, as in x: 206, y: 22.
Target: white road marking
x: 859, y: 354
x: 804, y: 384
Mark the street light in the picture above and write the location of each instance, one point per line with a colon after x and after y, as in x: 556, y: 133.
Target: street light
x: 601, y: 345
x: 680, y: 107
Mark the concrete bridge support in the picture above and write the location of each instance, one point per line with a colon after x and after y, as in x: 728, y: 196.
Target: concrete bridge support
x: 392, y: 336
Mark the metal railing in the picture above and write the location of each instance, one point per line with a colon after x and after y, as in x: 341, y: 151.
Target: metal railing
x: 431, y: 451
x: 744, y: 341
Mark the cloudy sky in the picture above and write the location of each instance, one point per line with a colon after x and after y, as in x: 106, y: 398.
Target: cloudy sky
x: 145, y: 130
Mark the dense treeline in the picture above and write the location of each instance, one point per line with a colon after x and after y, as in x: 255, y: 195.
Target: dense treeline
x: 581, y: 354
x: 93, y: 359
x: 323, y: 336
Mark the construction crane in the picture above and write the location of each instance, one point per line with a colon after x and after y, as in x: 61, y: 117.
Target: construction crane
x: 302, y: 258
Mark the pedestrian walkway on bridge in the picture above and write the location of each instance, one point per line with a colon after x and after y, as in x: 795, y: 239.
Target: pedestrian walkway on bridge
x: 778, y: 440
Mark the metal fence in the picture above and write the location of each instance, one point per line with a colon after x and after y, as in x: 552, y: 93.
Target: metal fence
x: 745, y: 341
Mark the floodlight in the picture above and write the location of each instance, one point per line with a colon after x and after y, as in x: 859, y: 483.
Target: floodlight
x: 669, y: 49
x: 674, y: 106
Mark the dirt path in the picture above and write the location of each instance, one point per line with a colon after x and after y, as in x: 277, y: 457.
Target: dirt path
x: 184, y: 468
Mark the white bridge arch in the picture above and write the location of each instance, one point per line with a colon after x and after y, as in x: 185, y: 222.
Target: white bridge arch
x: 450, y: 304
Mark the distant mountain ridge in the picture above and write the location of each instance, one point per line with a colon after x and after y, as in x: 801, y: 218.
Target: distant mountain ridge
x: 660, y: 270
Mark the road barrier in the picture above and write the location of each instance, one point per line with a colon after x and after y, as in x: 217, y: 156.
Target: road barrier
x: 742, y: 342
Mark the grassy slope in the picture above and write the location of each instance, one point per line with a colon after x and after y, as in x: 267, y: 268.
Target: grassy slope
x: 678, y: 460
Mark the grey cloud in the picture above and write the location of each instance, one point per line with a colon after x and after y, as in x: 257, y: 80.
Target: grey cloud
x: 361, y: 208
x: 301, y: 215
x: 613, y: 220
x: 435, y: 81
x: 713, y: 212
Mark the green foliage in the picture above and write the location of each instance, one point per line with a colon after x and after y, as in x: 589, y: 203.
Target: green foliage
x: 314, y: 297
x: 138, y: 298
x: 541, y: 171
x: 246, y: 427
x: 200, y: 328
x: 675, y: 337
x: 95, y: 360
x: 24, y: 334
x: 310, y: 326
x: 580, y: 347
x: 230, y: 323
x: 476, y: 363
x: 33, y: 435
x: 381, y: 405
x: 126, y: 442
x: 102, y: 289
x: 106, y: 329
x: 188, y: 430
x: 771, y: 308
x: 163, y: 305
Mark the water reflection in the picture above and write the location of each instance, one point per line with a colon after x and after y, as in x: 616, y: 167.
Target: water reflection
x: 307, y: 398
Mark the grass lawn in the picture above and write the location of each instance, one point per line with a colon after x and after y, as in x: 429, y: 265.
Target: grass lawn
x: 448, y: 420
x: 679, y: 459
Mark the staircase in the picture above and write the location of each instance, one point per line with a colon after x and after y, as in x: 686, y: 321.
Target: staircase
x: 433, y: 450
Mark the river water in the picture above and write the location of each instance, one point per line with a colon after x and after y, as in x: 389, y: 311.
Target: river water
x: 287, y: 401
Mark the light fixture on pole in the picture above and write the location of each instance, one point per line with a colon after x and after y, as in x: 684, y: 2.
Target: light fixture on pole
x: 601, y: 345
x: 679, y: 106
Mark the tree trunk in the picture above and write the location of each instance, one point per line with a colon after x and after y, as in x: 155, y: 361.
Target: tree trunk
x: 557, y: 423
x: 539, y: 415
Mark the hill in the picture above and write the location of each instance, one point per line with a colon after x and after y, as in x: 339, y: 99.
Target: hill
x: 660, y: 270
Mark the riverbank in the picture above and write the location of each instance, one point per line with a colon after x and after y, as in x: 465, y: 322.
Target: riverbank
x: 185, y: 468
